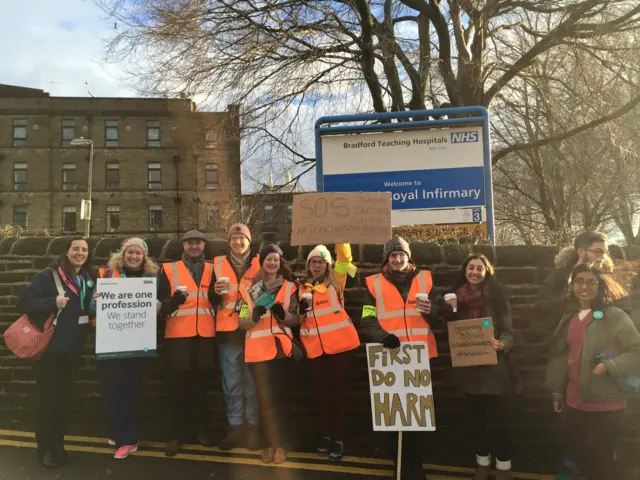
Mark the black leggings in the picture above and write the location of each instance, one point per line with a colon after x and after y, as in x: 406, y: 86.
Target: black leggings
x: 494, y: 411
x: 54, y: 379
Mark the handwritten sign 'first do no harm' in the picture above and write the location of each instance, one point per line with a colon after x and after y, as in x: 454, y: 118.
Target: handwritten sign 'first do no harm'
x: 354, y: 217
x: 401, y: 389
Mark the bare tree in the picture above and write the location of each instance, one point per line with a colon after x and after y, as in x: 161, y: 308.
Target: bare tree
x: 288, y: 61
x: 550, y: 192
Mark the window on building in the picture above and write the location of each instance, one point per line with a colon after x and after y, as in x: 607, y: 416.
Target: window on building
x: 20, y: 216
x: 112, y: 176
x: 269, y: 237
x: 19, y: 133
x: 153, y: 133
x: 289, y: 213
x: 111, y: 134
x: 268, y: 213
x: 68, y: 132
x: 211, y: 176
x: 155, y: 176
x: 19, y: 176
x: 69, y: 181
x: 112, y: 219
x: 68, y: 219
x: 155, y: 218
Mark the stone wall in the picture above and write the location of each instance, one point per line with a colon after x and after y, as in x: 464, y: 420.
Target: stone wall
x: 521, y: 268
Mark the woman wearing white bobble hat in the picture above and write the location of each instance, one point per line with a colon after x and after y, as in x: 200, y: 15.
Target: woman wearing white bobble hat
x: 120, y: 379
x: 328, y: 334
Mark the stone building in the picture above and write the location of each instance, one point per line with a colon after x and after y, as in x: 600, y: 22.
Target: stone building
x: 157, y: 164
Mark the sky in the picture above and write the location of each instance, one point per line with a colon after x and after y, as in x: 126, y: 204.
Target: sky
x: 56, y: 45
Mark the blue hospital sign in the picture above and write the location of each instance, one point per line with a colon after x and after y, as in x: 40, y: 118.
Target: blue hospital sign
x: 424, y: 170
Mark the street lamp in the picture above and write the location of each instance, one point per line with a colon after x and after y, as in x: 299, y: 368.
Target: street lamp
x: 85, y: 209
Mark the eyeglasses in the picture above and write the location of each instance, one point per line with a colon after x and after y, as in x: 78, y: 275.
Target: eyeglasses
x: 585, y: 283
x: 317, y: 262
x: 597, y: 252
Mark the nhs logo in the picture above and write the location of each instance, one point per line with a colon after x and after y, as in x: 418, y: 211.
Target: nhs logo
x: 464, y: 137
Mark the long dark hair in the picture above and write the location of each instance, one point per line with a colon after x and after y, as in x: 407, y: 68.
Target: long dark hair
x: 609, y: 290
x: 496, y: 295
x: 61, y: 261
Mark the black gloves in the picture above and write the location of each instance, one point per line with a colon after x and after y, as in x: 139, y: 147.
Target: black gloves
x: 259, y: 311
x: 177, y: 299
x: 278, y: 310
x: 391, y: 341
x: 303, y: 307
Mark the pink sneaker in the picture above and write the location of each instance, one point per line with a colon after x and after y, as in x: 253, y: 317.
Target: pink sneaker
x: 125, y: 451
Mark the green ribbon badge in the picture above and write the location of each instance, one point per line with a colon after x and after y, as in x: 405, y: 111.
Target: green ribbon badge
x: 486, y: 323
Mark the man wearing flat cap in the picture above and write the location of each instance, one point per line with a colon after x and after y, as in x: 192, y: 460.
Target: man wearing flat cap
x: 183, y: 289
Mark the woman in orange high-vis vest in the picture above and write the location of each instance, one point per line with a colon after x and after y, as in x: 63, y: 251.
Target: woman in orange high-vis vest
x: 120, y: 379
x: 394, y: 312
x: 269, y: 344
x: 184, y: 289
x: 328, y: 335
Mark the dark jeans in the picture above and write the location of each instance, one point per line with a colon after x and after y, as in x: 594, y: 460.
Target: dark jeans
x: 120, y: 381
x: 412, y: 450
x: 272, y: 386
x: 590, y: 441
x: 54, y: 379
x: 330, y: 375
x: 494, y: 411
x: 188, y: 412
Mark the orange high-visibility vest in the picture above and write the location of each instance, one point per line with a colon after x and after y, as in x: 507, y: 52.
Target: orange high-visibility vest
x: 228, y: 313
x: 195, y: 316
x: 326, y: 327
x: 114, y: 272
x: 260, y: 342
x: 399, y: 317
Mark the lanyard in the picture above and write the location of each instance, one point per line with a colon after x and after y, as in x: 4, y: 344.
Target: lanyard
x: 82, y: 283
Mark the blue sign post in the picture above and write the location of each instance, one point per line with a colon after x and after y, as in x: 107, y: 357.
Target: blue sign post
x: 438, y: 171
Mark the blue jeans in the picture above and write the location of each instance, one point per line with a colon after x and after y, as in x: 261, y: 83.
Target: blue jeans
x: 237, y: 385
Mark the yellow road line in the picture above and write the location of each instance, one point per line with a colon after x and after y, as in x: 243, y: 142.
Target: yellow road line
x: 250, y: 461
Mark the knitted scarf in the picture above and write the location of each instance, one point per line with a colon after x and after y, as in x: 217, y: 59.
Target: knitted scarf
x: 474, y: 300
x: 239, y: 262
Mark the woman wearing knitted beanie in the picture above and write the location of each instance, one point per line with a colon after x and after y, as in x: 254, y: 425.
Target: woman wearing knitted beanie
x: 120, y: 379
x: 269, y: 310
x: 328, y: 335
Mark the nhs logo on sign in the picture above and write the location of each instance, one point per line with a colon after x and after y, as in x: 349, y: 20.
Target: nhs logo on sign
x: 464, y: 137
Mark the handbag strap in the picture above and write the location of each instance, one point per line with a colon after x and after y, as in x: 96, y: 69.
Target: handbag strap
x: 61, y: 292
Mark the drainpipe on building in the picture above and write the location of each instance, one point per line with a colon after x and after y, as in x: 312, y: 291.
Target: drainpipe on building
x: 177, y: 199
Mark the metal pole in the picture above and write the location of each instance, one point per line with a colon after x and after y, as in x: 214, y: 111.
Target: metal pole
x: 87, y: 220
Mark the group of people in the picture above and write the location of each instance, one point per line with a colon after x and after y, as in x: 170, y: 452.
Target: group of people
x: 248, y: 307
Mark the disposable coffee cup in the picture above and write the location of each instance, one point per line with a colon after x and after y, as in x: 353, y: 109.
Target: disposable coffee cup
x: 225, y: 288
x: 422, y: 296
x: 183, y: 289
x: 454, y: 304
x: 307, y: 296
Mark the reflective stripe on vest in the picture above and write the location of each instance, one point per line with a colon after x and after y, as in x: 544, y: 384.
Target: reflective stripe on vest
x: 327, y: 329
x: 260, y: 341
x: 400, y: 317
x: 227, y: 314
x: 195, y: 316
x: 103, y: 271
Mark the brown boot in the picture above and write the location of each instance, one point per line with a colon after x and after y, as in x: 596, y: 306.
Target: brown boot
x: 482, y: 473
x: 172, y: 448
x: 503, y: 475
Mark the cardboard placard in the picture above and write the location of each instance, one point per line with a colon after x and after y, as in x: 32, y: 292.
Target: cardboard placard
x: 470, y: 342
x: 126, y: 318
x: 400, y: 387
x: 335, y: 217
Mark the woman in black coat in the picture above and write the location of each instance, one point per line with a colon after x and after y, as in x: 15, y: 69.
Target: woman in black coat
x: 56, y: 368
x: 486, y: 388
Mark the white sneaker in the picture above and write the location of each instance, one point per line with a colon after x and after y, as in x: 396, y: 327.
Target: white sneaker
x: 111, y: 442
